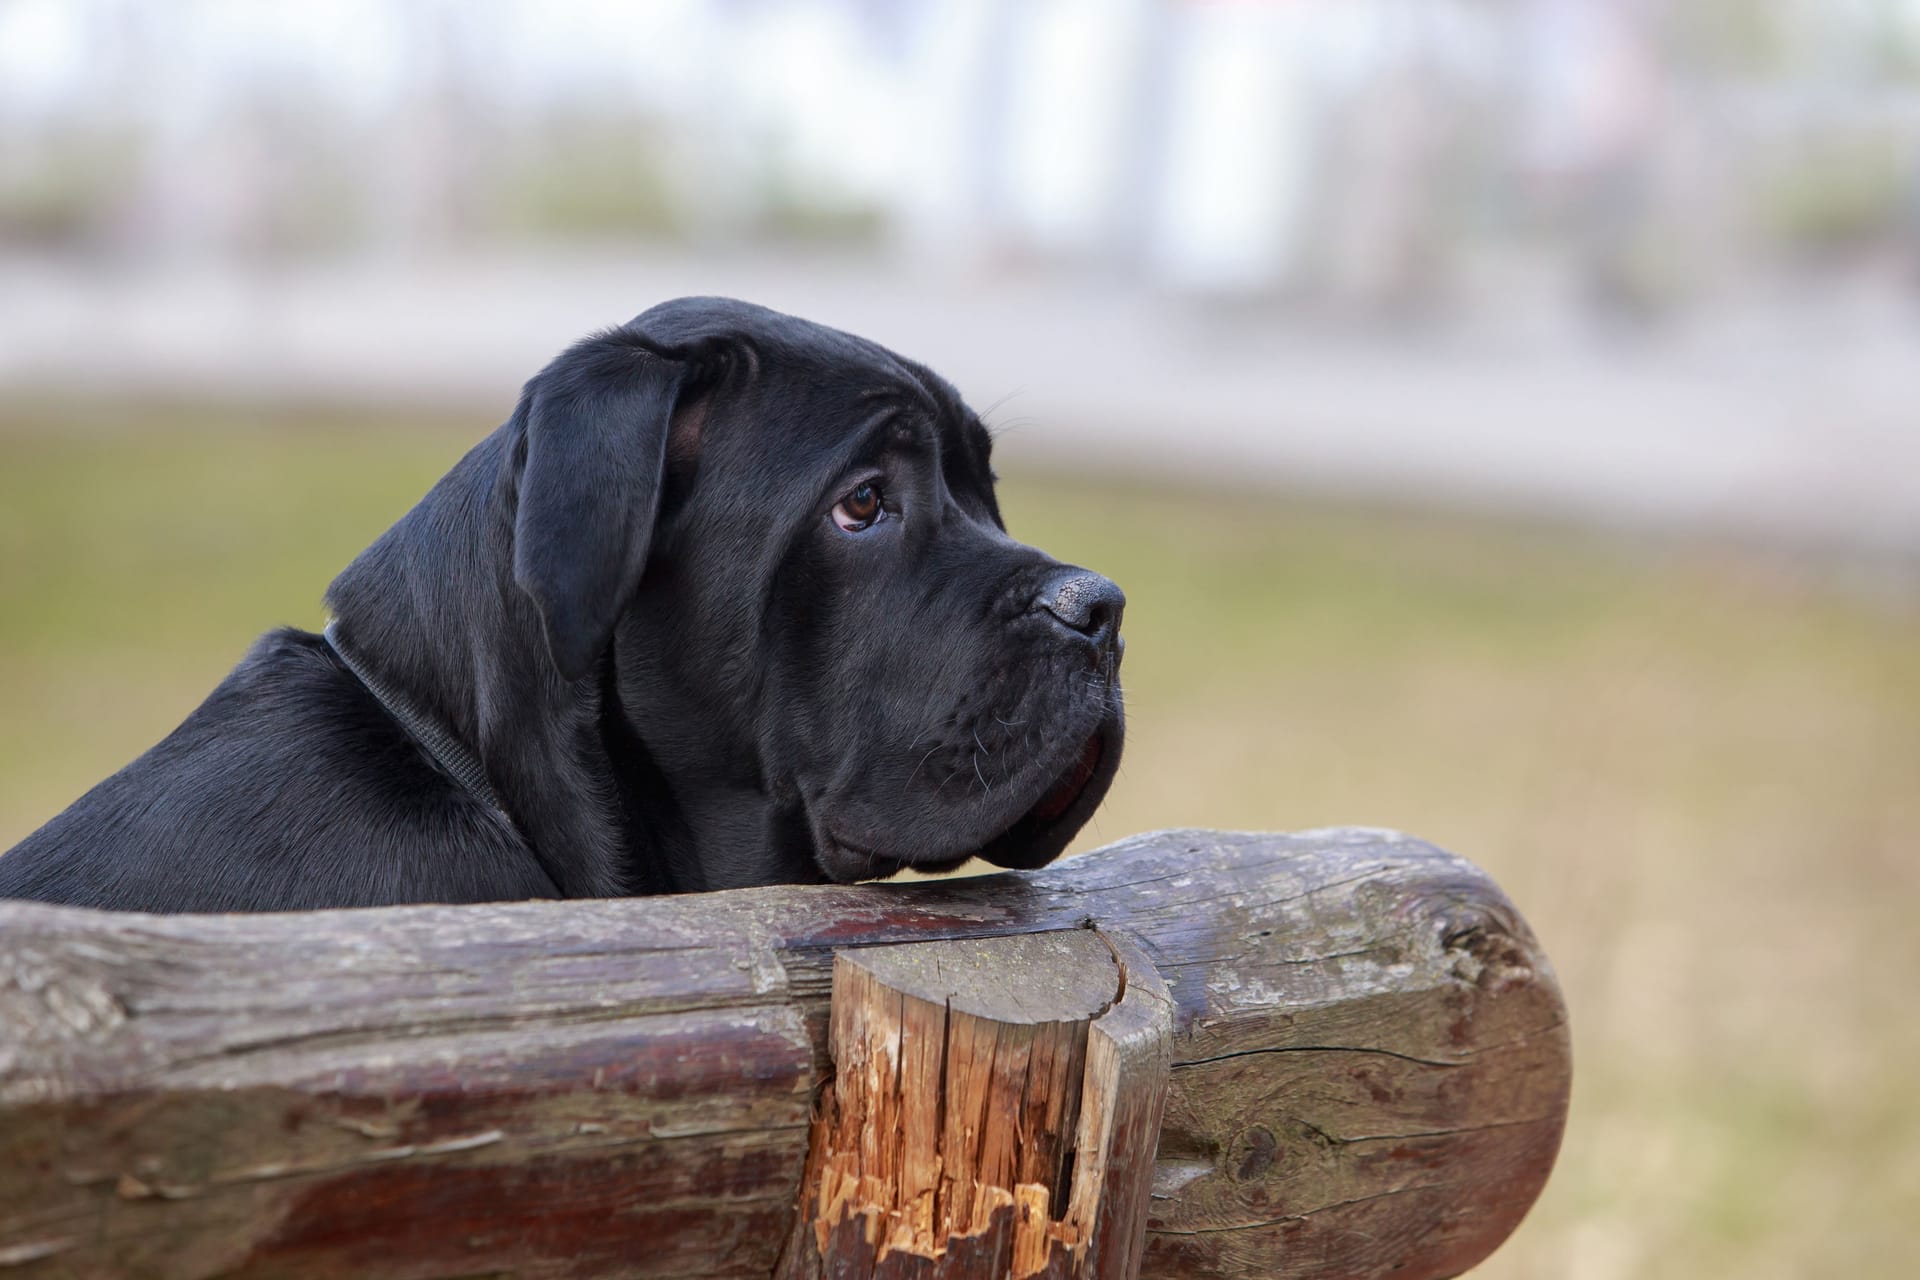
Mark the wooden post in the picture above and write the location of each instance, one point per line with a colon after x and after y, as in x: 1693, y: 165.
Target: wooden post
x: 1368, y: 1072
x: 994, y: 1111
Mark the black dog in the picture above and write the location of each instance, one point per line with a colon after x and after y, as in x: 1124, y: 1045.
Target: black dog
x: 727, y: 601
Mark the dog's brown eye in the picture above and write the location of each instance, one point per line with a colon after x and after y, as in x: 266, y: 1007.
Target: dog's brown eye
x: 859, y: 509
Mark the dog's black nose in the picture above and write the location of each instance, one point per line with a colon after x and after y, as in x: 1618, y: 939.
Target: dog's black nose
x: 1083, y: 602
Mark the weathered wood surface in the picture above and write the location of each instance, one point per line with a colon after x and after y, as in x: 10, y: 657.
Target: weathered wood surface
x: 1369, y: 1070
x: 993, y: 1112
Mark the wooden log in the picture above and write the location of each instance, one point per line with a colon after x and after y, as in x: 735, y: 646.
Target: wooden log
x: 994, y: 1111
x: 1368, y: 1070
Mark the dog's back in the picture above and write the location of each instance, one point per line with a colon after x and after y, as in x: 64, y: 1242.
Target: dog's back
x: 289, y: 788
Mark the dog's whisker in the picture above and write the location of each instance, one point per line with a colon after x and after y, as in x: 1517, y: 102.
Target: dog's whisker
x: 923, y: 760
x: 986, y: 419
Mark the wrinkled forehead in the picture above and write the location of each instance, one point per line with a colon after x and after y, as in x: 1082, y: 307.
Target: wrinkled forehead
x: 821, y: 392
x: 838, y: 392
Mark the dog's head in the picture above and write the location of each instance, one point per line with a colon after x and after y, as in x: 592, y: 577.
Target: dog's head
x: 775, y: 552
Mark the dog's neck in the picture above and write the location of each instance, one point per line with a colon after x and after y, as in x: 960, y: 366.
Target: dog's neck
x: 698, y: 815
x: 433, y: 608
x: 448, y: 751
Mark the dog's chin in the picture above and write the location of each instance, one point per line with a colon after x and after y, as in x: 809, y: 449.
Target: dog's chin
x: 1043, y: 832
x: 1035, y: 838
x: 849, y: 864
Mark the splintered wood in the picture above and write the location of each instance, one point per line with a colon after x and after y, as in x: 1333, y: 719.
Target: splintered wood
x: 994, y: 1111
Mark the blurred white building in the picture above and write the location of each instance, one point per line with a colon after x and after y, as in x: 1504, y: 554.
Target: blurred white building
x: 1344, y: 148
x: 1640, y: 260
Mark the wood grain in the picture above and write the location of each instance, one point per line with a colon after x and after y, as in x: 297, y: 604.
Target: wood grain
x: 993, y: 1111
x: 1368, y: 1070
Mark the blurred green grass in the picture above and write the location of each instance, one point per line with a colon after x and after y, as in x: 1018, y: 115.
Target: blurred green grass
x: 1697, y: 770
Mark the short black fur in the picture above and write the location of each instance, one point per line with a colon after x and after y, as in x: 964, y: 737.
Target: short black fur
x: 641, y: 604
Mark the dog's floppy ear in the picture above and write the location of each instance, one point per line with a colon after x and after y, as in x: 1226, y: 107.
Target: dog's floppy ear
x: 594, y: 427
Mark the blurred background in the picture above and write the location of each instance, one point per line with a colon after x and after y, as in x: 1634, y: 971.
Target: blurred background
x: 1504, y: 416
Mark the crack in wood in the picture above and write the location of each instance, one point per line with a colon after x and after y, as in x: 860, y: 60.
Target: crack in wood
x: 1305, y: 1214
x: 453, y: 1028
x: 1370, y: 1050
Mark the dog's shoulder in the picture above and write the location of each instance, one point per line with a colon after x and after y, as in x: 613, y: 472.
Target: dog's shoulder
x: 290, y: 787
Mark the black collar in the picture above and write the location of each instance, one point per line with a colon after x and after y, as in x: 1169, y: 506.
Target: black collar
x: 453, y: 756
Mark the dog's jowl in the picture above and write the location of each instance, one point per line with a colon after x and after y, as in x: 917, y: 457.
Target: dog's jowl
x: 727, y: 601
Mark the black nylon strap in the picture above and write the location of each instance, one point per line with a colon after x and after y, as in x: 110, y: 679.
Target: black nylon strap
x: 447, y: 751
